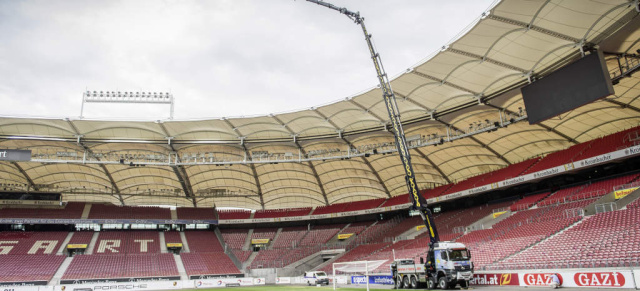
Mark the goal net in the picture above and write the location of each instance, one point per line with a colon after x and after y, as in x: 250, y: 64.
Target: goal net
x: 356, y: 273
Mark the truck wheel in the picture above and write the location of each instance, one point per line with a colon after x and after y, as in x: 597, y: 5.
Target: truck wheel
x: 431, y: 283
x: 398, y: 283
x: 406, y: 282
x: 442, y: 283
x: 464, y: 284
x: 414, y: 282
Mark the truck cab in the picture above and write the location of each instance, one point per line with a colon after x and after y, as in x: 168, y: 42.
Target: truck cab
x: 449, y: 265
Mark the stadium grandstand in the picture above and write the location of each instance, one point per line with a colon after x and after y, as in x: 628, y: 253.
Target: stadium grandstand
x: 282, y: 194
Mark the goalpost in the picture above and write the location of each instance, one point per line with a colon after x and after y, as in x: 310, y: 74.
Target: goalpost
x: 359, y: 269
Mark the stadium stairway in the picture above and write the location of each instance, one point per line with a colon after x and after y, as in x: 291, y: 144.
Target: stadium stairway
x: 227, y: 250
x: 488, y: 221
x: 247, y: 241
x: 249, y: 260
x: 329, y: 262
x: 63, y: 268
x: 174, y: 214
x: 624, y: 201
x: 163, y: 245
x: 92, y: 244
x: 181, y: 270
x: 85, y: 212
x: 64, y: 244
x: 185, y: 245
x: 611, y: 198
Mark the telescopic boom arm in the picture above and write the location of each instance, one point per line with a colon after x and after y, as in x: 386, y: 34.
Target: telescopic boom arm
x: 418, y: 201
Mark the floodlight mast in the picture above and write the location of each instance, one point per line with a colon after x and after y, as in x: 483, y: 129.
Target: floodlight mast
x: 418, y: 202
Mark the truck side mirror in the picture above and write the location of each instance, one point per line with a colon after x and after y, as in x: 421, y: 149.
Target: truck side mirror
x: 421, y: 260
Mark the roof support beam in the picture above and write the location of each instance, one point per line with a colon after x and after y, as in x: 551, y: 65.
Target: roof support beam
x: 255, y: 175
x: 443, y: 82
x: 488, y: 60
x: 313, y: 169
x: 533, y: 27
x: 181, y: 172
x: 382, y: 120
x: 623, y: 105
x: 422, y: 155
x: 375, y: 173
x: 548, y: 128
x: 479, y: 142
x: 26, y: 176
x: 114, y: 186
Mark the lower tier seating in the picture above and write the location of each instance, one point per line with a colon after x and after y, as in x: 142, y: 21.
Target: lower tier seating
x: 24, y: 268
x: 121, y: 266
x: 215, y: 263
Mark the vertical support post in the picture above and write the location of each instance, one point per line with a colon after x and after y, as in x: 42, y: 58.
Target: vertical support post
x: 334, y: 275
x: 366, y: 272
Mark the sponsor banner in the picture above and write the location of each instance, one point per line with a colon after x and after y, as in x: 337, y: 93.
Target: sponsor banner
x: 102, y: 221
x: 258, y: 281
x: 419, y: 227
x: 283, y: 280
x: 174, y: 245
x: 24, y: 288
x: 495, y: 279
x: 259, y: 241
x: 373, y: 279
x: 223, y: 282
x: 636, y: 276
x: 582, y: 279
x: 496, y: 214
x: 177, y: 284
x: 215, y: 277
x: 23, y: 284
x: 119, y: 280
x: 538, y: 279
x: 15, y: 155
x: 624, y: 192
x: 76, y: 246
x: 30, y: 202
x: 344, y: 235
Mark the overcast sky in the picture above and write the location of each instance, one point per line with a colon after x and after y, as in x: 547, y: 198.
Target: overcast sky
x: 219, y: 58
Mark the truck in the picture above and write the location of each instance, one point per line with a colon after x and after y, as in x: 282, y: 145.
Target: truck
x: 316, y: 278
x: 452, y: 267
x: 448, y: 264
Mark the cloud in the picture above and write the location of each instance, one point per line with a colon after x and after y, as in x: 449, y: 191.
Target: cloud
x: 219, y: 58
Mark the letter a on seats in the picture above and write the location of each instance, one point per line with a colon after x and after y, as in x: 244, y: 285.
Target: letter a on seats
x: 47, y: 245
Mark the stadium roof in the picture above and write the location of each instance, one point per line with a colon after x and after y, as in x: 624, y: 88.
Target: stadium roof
x: 303, y: 158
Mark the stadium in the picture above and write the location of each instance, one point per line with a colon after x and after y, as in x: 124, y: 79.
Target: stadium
x: 528, y: 190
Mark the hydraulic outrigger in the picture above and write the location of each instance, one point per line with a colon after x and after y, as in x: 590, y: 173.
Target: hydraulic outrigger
x: 418, y: 202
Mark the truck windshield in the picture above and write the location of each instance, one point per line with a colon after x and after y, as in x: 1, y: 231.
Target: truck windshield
x: 458, y: 255
x: 321, y: 274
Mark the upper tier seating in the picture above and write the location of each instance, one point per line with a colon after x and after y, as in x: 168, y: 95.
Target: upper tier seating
x: 233, y: 214
x: 72, y: 210
x: 128, y: 242
x: 25, y: 268
x: 109, y: 211
x: 121, y: 266
x: 195, y: 213
x: 272, y: 213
